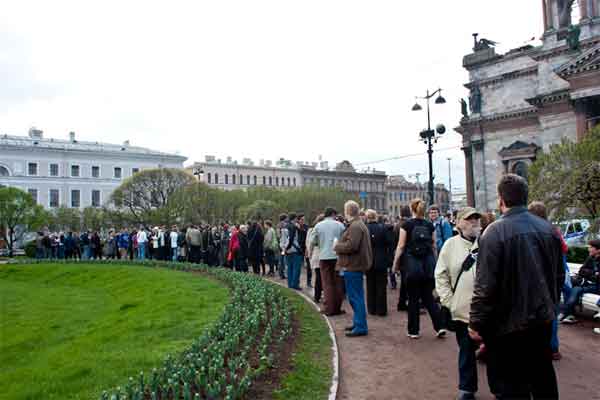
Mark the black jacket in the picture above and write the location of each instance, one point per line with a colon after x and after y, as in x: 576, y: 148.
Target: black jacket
x: 381, y: 241
x: 519, y: 274
x: 589, y: 271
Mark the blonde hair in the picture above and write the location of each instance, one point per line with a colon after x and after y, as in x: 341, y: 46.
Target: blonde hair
x: 352, y: 208
x: 371, y: 215
x: 417, y: 206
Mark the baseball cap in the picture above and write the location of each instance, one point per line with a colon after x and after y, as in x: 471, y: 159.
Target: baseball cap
x: 467, y: 212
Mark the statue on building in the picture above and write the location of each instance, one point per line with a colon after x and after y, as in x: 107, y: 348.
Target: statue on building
x: 482, y: 44
x: 475, y: 100
x: 463, y: 109
x: 564, y: 12
x: 573, y: 37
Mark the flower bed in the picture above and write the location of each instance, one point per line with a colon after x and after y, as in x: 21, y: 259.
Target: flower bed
x: 228, y: 357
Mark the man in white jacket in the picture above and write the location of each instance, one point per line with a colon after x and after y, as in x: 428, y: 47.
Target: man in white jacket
x: 454, y: 279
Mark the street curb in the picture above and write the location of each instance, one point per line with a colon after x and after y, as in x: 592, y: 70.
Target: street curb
x: 335, y: 379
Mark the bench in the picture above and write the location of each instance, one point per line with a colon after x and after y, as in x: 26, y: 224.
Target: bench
x: 588, y: 301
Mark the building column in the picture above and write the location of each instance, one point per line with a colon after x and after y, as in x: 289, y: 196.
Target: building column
x: 469, y: 175
x: 581, y: 118
x: 545, y: 11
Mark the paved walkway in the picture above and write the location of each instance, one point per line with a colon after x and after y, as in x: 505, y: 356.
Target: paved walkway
x: 387, y: 365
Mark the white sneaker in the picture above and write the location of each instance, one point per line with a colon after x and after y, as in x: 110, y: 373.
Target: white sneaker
x: 560, y: 317
x: 597, y: 316
x: 441, y: 333
x: 569, y: 319
x: 413, y: 336
x: 597, y: 331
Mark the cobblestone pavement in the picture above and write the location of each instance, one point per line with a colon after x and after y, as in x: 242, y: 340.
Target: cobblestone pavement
x: 387, y: 365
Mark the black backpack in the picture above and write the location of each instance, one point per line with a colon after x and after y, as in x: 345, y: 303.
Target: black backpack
x: 420, y: 241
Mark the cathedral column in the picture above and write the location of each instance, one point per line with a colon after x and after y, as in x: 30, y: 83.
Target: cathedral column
x: 469, y: 175
x: 545, y: 10
x: 583, y: 6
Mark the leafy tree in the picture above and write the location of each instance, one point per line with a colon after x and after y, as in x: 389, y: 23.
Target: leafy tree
x: 261, y: 210
x: 65, y: 219
x: 149, y: 195
x: 19, y: 214
x: 567, y: 178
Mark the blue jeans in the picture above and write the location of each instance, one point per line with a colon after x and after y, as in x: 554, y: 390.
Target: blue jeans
x: 576, y: 293
x: 142, y: 251
x: 175, y: 251
x: 467, y: 362
x: 356, y: 297
x: 39, y: 253
x: 85, y: 254
x: 294, y: 265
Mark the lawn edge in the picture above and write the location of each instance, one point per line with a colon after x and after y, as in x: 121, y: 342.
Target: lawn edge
x: 335, y: 359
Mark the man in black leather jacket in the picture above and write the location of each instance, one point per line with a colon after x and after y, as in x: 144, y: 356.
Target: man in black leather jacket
x: 517, y: 287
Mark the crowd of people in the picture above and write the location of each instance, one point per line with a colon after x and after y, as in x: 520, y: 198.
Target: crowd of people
x: 496, y: 283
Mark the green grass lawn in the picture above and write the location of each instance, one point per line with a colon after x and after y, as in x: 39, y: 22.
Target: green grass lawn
x: 68, y: 331
x: 310, y: 377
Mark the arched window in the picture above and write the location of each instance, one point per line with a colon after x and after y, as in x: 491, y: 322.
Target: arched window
x: 208, y: 178
x: 264, y: 181
x: 294, y: 180
x: 216, y: 178
x: 226, y: 179
x: 276, y: 181
x: 255, y: 180
x: 289, y: 182
x: 241, y: 179
x: 233, y: 177
x: 270, y: 181
x: 248, y: 180
x: 4, y: 171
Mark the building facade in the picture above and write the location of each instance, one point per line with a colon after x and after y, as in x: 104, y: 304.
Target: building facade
x: 400, y: 192
x: 70, y: 172
x: 523, y: 101
x: 369, y: 186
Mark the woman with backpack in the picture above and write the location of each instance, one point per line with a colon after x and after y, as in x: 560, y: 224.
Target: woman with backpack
x: 416, y: 246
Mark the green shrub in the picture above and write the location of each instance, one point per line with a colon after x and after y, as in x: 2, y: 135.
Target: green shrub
x: 577, y: 255
x: 30, y: 249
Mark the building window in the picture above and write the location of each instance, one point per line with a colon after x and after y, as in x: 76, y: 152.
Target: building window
x: 54, y: 198
x: 95, y: 171
x: 134, y: 171
x: 208, y: 178
x: 32, y: 169
x: 276, y: 181
x: 75, y: 198
x: 255, y: 180
x: 233, y: 177
x: 289, y: 181
x: 95, y: 198
x: 34, y: 194
x: 248, y: 180
x: 75, y: 171
x: 216, y: 178
x: 241, y: 179
x: 53, y: 169
x: 270, y: 181
x: 4, y: 171
x: 294, y: 181
x: 118, y: 172
x: 264, y: 181
x: 226, y: 179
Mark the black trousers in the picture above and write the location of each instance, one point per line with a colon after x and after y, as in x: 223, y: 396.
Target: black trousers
x: 467, y: 362
x: 519, y: 364
x: 318, y: 285
x: 195, y: 254
x: 377, y: 292
x: 308, y: 271
x: 421, y: 289
x: 402, y: 293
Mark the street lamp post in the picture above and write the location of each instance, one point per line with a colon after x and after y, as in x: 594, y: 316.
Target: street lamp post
x: 431, y: 136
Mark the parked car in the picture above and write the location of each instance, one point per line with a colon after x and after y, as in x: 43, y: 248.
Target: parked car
x: 574, y: 231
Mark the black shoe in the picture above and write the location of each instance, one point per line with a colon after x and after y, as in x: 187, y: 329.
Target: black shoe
x: 349, y: 328
x: 355, y: 334
x: 402, y: 307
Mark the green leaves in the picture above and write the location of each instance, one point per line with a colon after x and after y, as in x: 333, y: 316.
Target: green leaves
x: 567, y: 177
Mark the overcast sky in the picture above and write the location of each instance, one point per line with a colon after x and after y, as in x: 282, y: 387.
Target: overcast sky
x: 258, y: 79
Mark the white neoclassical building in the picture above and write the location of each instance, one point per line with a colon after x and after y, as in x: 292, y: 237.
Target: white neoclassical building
x: 70, y: 172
